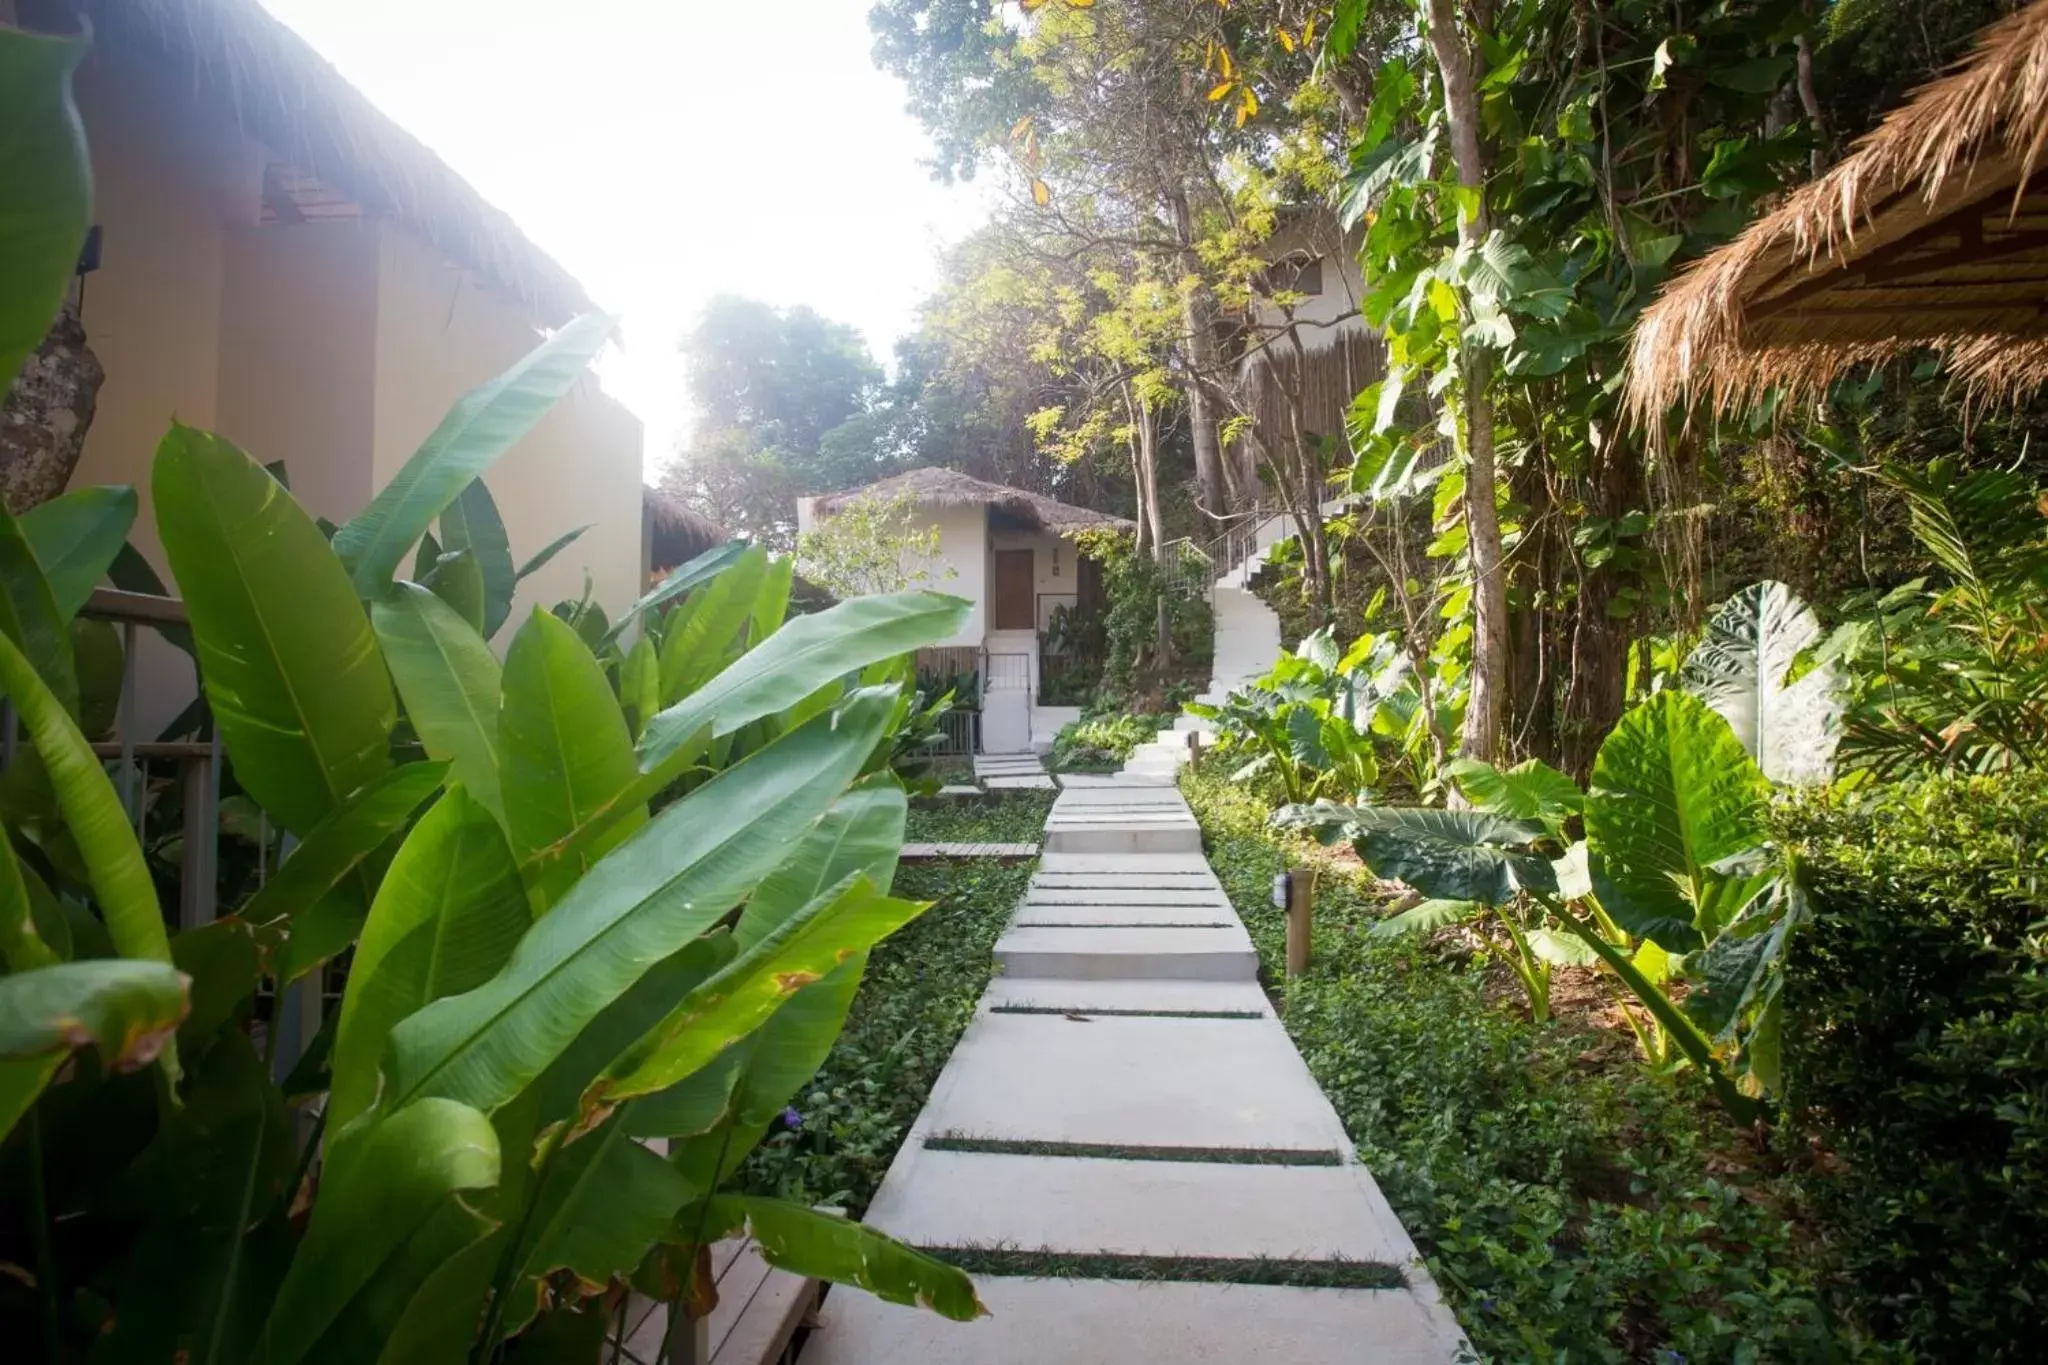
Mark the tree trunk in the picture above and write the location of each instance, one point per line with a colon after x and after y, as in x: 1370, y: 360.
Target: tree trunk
x: 1482, y: 520
x: 44, y: 417
x: 1596, y: 688
x: 1199, y: 315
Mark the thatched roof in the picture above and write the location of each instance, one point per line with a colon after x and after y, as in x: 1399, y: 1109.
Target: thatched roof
x: 676, y: 533
x: 233, y: 55
x: 1931, y: 234
x: 950, y: 488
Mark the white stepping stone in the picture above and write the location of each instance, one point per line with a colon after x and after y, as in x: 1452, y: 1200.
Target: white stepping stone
x: 1235, y: 997
x: 997, y: 784
x: 1175, y: 838
x: 1120, y: 1322
x: 1032, y: 915
x: 960, y: 790
x: 1133, y: 1082
x: 1126, y: 863
x: 1125, y: 895
x: 1176, y: 954
x: 1139, y: 1208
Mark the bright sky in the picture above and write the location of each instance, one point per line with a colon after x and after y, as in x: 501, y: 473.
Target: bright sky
x: 667, y: 150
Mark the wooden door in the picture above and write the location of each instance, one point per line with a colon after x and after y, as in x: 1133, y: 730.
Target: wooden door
x: 1014, y: 605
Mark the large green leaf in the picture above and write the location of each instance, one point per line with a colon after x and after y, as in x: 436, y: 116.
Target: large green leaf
x: 653, y: 894
x: 1743, y: 669
x: 385, y: 1180
x: 828, y: 1247
x: 683, y: 578
x: 1673, y: 794
x: 1453, y: 855
x: 291, y: 667
x: 485, y: 423
x: 640, y: 684
x: 93, y: 815
x: 862, y: 833
x: 22, y: 945
x: 771, y: 604
x: 338, y: 845
x: 810, y: 943
x: 722, y: 1111
x: 1424, y: 918
x: 565, y: 751
x: 450, y: 681
x: 75, y: 539
x: 456, y: 580
x: 699, y: 640
x: 28, y: 614
x: 447, y: 916
x: 548, y: 552
x: 796, y: 661
x: 214, y: 1240
x: 48, y: 206
x: 1531, y: 790
x: 472, y: 523
x: 127, y: 1010
x: 601, y: 1205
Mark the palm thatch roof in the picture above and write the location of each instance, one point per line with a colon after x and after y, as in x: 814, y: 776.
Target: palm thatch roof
x: 1932, y: 234
x: 676, y: 533
x: 235, y: 57
x: 950, y: 488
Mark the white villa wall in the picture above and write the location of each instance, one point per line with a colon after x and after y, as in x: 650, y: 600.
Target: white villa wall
x: 1052, y: 564
x: 961, y: 566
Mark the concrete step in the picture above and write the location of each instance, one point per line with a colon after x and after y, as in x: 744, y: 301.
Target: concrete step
x: 1055, y: 861
x: 1127, y: 895
x: 1131, y: 1081
x: 1113, y: 994
x: 1173, y: 954
x: 1176, y: 837
x: 1043, y: 915
x: 1139, y: 1208
x: 1118, y: 1322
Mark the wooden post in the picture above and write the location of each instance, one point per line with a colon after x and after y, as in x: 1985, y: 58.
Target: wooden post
x: 1301, y: 900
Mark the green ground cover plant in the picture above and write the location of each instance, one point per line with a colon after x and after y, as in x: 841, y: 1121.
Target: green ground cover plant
x: 1917, y: 1052
x: 1104, y: 742
x: 1570, y: 1205
x: 834, y: 1142
x: 1011, y: 817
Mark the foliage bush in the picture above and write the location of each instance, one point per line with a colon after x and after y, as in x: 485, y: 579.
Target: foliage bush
x: 1134, y: 584
x: 1569, y: 1205
x: 1917, y: 1052
x: 1104, y: 742
x: 836, y: 1140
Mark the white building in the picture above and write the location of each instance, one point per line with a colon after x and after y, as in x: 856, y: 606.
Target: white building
x: 1011, y: 554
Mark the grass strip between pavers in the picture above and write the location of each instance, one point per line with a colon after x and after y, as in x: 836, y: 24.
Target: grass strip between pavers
x: 1109, y: 1265
x: 1128, y: 1014
x: 1233, y: 1156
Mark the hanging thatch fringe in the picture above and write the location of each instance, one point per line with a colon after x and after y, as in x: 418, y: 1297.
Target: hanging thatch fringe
x: 1930, y: 235
x: 1328, y: 372
x: 239, y: 61
x: 950, y: 488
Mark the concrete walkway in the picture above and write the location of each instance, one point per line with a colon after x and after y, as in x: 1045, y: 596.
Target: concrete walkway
x: 1125, y: 1091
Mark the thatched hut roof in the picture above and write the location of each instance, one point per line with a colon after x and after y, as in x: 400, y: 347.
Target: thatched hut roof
x: 676, y: 533
x: 233, y: 55
x: 1932, y: 234
x: 950, y: 488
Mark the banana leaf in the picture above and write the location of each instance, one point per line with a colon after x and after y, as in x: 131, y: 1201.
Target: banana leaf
x: 292, y: 670
x: 450, y: 681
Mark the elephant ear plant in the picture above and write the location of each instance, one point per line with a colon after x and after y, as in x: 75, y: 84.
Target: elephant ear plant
x: 602, y: 910
x: 1674, y: 880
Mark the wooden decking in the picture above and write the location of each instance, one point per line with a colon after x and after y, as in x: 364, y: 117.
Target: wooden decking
x: 758, y: 1313
x: 1009, y: 853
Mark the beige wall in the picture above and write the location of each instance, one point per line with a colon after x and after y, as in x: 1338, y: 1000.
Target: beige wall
x: 297, y: 349
x: 439, y: 335
x: 962, y: 566
x: 166, y: 191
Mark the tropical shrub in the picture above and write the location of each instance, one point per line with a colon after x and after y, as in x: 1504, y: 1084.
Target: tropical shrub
x: 1135, y: 585
x: 1104, y: 741
x: 1954, y: 676
x: 1916, y: 1051
x: 588, y: 896
x: 1676, y: 878
x: 1318, y: 721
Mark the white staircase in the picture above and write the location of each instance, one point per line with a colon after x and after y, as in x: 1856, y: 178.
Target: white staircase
x: 1247, y: 641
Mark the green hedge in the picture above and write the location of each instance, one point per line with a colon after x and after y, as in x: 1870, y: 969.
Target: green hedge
x: 1917, y: 1054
